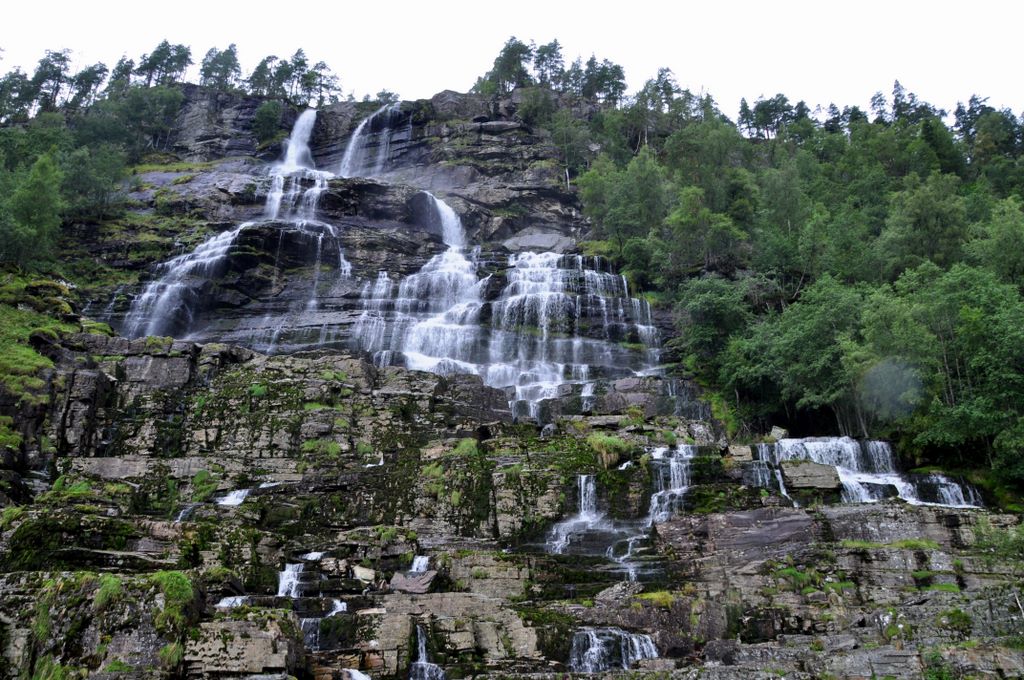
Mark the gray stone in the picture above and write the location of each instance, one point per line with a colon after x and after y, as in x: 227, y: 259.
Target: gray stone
x: 414, y: 583
x: 805, y: 474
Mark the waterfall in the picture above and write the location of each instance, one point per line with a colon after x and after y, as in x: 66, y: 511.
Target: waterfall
x: 595, y: 650
x: 421, y: 668
x: 420, y: 563
x: 234, y: 498
x: 434, y: 312
x: 168, y: 304
x: 288, y: 584
x: 186, y: 512
x: 232, y: 601
x: 671, y: 471
x: 587, y: 517
x: 868, y: 473
x: 369, y: 149
x: 313, y: 556
x: 353, y: 674
x: 559, y: 317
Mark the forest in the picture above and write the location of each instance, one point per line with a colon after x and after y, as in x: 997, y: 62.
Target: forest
x: 833, y: 270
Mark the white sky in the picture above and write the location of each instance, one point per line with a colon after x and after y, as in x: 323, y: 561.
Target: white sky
x: 818, y: 51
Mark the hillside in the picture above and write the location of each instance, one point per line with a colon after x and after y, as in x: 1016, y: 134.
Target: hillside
x: 369, y: 394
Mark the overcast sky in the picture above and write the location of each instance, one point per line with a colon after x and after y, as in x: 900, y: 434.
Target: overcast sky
x: 820, y: 51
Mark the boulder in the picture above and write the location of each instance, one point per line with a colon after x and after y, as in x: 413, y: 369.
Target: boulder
x: 805, y: 474
x: 414, y: 583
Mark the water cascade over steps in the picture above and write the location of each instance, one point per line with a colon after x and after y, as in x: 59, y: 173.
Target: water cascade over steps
x: 540, y: 343
x: 170, y: 304
x: 543, y: 326
x: 595, y: 650
x: 868, y: 472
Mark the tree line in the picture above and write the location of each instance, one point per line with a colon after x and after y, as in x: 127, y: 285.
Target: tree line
x: 852, y: 271
x: 54, y: 86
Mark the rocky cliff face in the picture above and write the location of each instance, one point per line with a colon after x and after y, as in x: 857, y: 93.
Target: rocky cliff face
x: 198, y: 508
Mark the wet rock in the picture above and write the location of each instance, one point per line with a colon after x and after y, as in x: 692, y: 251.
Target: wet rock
x: 805, y: 474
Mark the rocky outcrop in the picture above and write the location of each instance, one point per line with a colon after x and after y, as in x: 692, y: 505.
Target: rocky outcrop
x: 805, y: 474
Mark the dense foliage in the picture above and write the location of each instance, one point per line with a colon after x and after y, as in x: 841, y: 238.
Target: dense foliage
x: 864, y: 267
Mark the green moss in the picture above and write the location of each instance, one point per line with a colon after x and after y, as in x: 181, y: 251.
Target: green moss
x: 465, y: 448
x: 10, y: 515
x: 48, y: 669
x: 108, y: 593
x: 944, y: 587
x: 322, y: 447
x: 659, y: 598
x: 171, y: 654
x: 204, y: 484
x: 608, y: 445
x: 118, y: 666
x: 178, y: 593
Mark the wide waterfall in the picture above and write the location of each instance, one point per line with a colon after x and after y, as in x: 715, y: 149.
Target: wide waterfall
x: 868, y: 472
x: 595, y: 650
x: 168, y: 305
x: 544, y: 327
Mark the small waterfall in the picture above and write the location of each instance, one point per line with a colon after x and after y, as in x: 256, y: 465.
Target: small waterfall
x: 368, y: 152
x: 587, y: 517
x: 288, y: 583
x: 671, y: 471
x: 766, y: 475
x: 353, y: 674
x: 312, y: 556
x: 168, y: 304
x: 232, y: 601
x: 595, y: 650
x: 420, y: 563
x: 421, y: 668
x: 186, y: 512
x: 868, y: 472
x: 234, y: 498
x: 310, y: 625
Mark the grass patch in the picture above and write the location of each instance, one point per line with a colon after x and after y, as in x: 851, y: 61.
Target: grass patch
x: 176, y: 588
x: 108, y: 593
x: 659, y: 598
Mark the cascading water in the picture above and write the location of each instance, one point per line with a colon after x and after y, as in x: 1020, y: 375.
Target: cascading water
x: 868, y: 472
x: 434, y: 315
x: 368, y: 152
x: 169, y: 303
x: 586, y: 519
x: 420, y: 563
x: 288, y: 581
x: 671, y: 470
x: 421, y: 668
x: 234, y: 498
x: 595, y: 650
x: 232, y: 601
x: 557, y: 319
